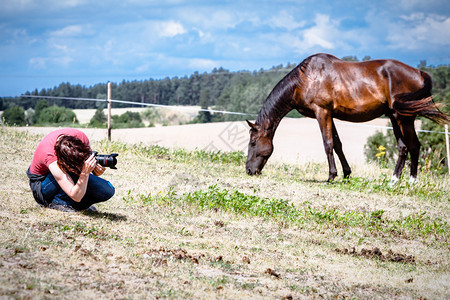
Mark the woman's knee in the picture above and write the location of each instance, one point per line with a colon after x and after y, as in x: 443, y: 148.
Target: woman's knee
x: 110, y: 191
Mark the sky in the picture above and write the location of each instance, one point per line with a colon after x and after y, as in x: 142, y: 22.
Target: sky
x: 47, y: 42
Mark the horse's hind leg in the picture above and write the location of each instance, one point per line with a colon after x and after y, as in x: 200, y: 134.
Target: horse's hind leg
x: 402, y: 150
x: 326, y: 127
x: 337, y: 145
x: 413, y: 145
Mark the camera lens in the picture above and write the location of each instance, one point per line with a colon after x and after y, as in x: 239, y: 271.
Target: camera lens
x: 107, y: 160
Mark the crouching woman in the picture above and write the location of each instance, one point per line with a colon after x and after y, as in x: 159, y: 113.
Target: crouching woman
x: 60, y: 173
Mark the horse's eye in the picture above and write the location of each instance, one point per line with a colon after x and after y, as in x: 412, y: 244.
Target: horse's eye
x: 253, y: 144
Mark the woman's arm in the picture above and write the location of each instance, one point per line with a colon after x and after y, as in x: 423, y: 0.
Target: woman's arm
x: 76, y: 191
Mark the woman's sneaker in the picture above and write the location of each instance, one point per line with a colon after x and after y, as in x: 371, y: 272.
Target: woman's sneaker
x: 91, y: 208
x: 64, y: 208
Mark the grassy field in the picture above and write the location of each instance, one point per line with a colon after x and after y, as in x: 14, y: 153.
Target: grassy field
x: 193, y: 225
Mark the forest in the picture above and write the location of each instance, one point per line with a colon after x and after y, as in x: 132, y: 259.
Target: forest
x: 237, y: 91
x: 220, y: 89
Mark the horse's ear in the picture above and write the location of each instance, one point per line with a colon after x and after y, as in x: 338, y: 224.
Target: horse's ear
x: 251, y: 124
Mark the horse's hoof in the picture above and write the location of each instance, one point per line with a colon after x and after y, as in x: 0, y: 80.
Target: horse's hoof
x: 331, y: 179
x: 413, y: 180
x: 394, y: 180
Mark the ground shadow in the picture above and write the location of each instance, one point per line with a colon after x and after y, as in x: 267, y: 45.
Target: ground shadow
x: 105, y: 215
x: 321, y: 181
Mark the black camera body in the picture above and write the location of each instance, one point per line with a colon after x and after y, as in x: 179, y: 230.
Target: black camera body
x: 106, y: 160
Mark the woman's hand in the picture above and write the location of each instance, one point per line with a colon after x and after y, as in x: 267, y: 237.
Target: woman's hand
x: 89, y: 165
x: 99, y: 170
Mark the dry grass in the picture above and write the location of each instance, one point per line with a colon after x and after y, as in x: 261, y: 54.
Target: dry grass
x: 148, y: 242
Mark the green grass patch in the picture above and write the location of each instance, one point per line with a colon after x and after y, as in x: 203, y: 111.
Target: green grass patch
x: 429, y: 187
x: 215, y: 198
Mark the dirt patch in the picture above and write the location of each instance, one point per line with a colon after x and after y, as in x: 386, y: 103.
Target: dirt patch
x: 272, y: 272
x: 162, y: 254
x: 376, y: 253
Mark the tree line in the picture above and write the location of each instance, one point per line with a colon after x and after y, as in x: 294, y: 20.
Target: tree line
x: 220, y: 89
x: 241, y: 91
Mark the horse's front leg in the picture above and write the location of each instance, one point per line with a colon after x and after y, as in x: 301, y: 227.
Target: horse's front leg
x: 326, y: 127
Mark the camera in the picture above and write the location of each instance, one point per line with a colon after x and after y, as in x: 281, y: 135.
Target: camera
x: 106, y: 160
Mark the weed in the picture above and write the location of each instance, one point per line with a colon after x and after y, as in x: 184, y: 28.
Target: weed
x: 425, y: 189
x: 215, y: 198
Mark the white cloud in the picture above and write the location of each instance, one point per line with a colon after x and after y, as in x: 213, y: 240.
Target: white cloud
x: 211, y: 22
x: 68, y: 31
x: 321, y: 34
x: 416, y: 31
x: 63, y: 61
x: 201, y: 64
x: 60, y: 47
x: 286, y: 20
x: 37, y: 62
x: 170, y: 29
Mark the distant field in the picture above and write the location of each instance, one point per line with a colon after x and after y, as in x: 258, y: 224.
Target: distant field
x: 174, y: 116
x: 190, y: 224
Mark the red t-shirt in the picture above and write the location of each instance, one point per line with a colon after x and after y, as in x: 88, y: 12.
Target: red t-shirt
x: 45, y: 154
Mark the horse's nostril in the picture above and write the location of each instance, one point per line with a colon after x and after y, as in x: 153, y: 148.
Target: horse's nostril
x: 249, y: 172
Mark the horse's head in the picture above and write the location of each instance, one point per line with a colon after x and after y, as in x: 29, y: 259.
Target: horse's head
x: 260, y: 148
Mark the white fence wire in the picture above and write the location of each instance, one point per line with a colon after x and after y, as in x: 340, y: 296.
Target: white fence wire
x: 196, y: 109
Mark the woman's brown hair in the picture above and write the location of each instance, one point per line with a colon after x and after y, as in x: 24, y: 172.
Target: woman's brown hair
x: 71, y: 153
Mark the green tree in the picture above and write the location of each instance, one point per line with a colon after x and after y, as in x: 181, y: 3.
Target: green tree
x: 350, y: 58
x: 99, y: 119
x: 29, y: 116
x: 127, y: 120
x: 151, y: 115
x: 14, y: 115
x: 40, y: 106
x: 56, y: 115
x: 204, y: 116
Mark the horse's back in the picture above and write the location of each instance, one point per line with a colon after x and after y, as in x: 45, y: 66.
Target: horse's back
x: 357, y: 91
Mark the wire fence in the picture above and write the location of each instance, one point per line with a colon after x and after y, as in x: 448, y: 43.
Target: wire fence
x: 173, y: 107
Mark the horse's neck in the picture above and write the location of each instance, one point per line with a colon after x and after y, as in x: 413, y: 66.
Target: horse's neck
x: 271, y: 116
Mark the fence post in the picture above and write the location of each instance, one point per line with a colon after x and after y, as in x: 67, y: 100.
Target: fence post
x: 109, y: 111
x: 448, y: 147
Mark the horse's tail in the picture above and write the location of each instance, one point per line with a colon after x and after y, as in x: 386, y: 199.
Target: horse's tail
x: 420, y: 103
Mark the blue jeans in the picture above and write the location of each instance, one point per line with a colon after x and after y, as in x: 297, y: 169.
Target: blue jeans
x: 98, y: 190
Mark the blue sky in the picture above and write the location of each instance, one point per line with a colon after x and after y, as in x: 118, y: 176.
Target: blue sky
x: 46, y: 42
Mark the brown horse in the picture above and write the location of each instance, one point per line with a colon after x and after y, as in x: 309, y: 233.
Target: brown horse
x: 325, y: 87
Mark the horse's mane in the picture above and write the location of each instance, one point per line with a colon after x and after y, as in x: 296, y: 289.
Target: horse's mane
x: 280, y: 97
